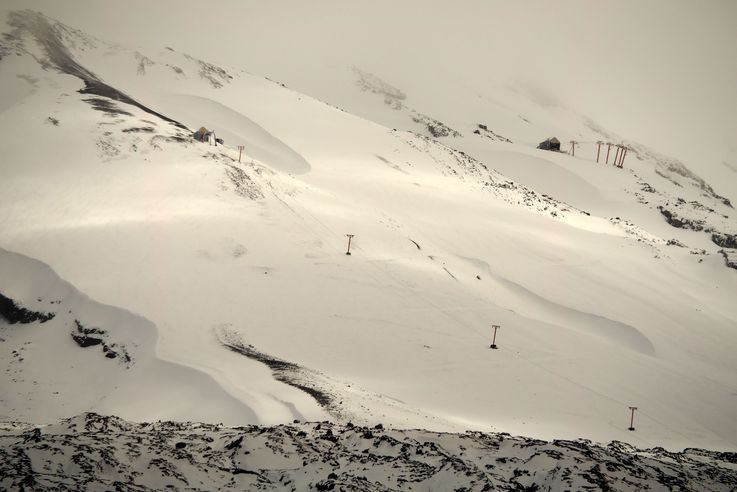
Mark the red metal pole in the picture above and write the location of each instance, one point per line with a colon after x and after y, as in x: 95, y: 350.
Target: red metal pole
x: 350, y: 236
x: 608, y: 148
x: 621, y: 160
x: 616, y: 156
x: 598, y: 151
x: 632, y: 418
x: 493, y: 340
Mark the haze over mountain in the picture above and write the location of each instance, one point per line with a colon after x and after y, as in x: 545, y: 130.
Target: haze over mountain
x: 661, y: 72
x: 150, y: 275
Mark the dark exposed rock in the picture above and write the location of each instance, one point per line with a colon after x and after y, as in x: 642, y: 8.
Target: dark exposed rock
x: 234, y: 444
x: 730, y: 258
x: 95, y: 452
x: 86, y: 337
x: 244, y: 185
x: 286, y: 372
x: 215, y: 75
x: 88, y: 331
x: 681, y: 222
x: 108, y: 93
x: 83, y: 336
x: 85, y: 341
x: 724, y: 240
x: 49, y: 36
x: 13, y: 313
x: 436, y: 128
x: 140, y: 129
x: 106, y: 106
x: 486, y: 132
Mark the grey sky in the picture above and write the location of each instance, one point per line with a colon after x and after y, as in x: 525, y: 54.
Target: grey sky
x: 663, y: 72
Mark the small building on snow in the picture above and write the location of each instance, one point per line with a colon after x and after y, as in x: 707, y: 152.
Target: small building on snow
x: 550, y: 144
x: 202, y: 135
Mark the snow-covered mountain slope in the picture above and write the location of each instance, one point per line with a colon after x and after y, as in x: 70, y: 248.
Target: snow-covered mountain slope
x: 116, y: 369
x: 239, y: 267
x: 94, y: 452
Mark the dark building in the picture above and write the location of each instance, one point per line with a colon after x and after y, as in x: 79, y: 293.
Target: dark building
x: 202, y: 135
x: 550, y: 144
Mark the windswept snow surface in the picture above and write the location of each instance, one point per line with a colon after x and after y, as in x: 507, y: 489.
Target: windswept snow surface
x: 114, y: 368
x: 602, y: 303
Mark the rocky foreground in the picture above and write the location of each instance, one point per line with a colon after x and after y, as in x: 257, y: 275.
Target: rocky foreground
x: 95, y: 452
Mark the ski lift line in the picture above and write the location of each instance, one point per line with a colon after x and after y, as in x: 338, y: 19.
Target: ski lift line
x: 671, y: 429
x: 384, y: 272
x: 591, y: 390
x: 443, y: 311
x: 331, y: 233
x: 401, y: 325
x: 400, y: 292
x: 301, y: 223
x: 304, y: 226
x: 437, y: 308
x: 519, y: 350
x: 595, y: 142
x: 376, y: 279
x: 416, y: 296
x: 422, y: 299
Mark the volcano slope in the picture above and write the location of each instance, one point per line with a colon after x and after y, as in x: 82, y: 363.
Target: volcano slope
x: 605, y: 300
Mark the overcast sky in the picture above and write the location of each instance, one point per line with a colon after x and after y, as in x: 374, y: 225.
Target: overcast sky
x: 663, y: 72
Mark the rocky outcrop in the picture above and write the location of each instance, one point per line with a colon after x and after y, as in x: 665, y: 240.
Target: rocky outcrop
x: 91, y: 336
x: 724, y: 240
x: 13, y: 313
x: 95, y: 452
x: 681, y: 222
x: 730, y: 258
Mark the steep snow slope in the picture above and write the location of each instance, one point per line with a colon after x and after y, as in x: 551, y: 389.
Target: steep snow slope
x: 241, y: 266
x: 116, y: 371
